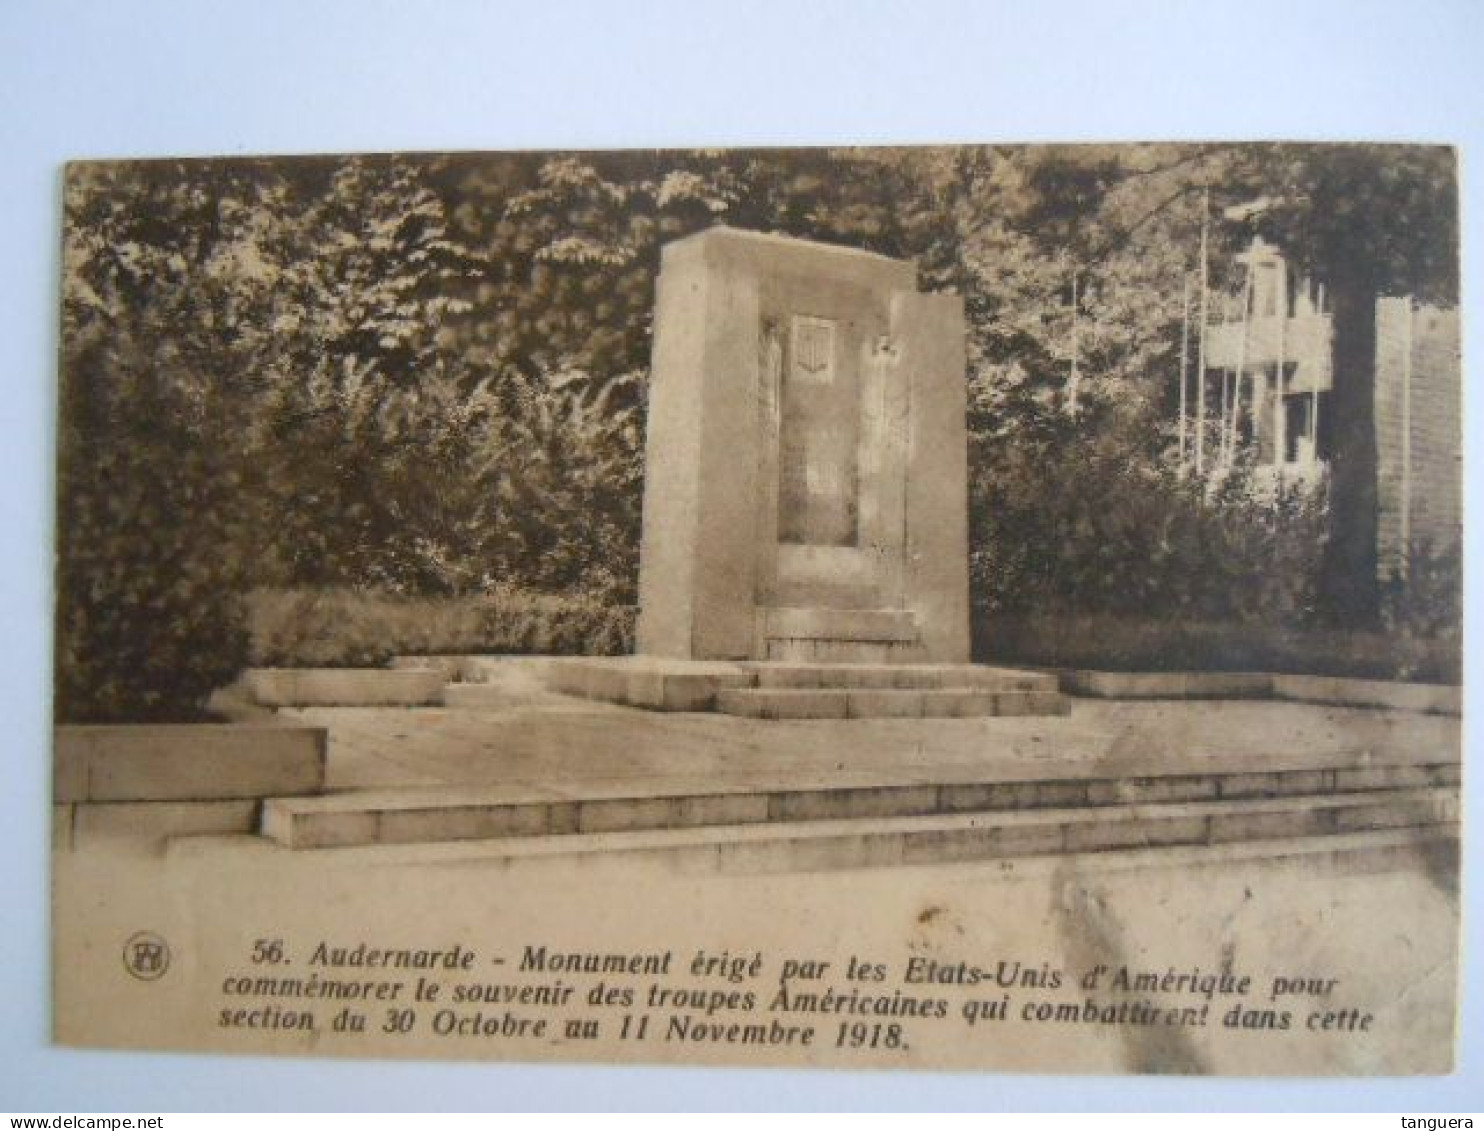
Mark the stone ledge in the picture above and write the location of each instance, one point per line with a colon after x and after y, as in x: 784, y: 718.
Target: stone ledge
x: 186, y: 762
x: 895, y: 704
x: 859, y: 823
x: 886, y: 703
x: 1426, y: 698
x: 476, y: 697
x: 654, y: 683
x: 345, y: 687
x: 482, y: 667
x: 452, y: 668
x: 751, y: 849
x: 81, y: 824
x: 1168, y: 685
x: 920, y: 677
x: 789, y: 650
x: 754, y: 704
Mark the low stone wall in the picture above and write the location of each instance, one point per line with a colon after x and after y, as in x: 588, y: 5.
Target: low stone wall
x: 345, y: 687
x: 453, y: 669
x: 1432, y: 699
x: 187, y: 762
x: 1168, y: 685
x: 151, y: 782
x: 1427, y: 698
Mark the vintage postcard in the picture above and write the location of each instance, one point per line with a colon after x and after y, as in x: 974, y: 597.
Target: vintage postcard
x: 972, y: 607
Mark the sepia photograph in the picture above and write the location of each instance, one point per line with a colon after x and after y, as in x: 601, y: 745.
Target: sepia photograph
x: 985, y: 607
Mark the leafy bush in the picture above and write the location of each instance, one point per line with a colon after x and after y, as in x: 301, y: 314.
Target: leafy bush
x: 149, y: 621
x: 1112, y: 643
x: 1085, y: 521
x: 348, y: 628
x: 1423, y: 612
x: 1088, y: 552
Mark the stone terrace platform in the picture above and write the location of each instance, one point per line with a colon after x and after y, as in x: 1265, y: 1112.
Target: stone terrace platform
x: 508, y: 761
x: 511, y: 730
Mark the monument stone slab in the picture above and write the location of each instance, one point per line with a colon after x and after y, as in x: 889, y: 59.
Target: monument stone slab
x: 806, y: 461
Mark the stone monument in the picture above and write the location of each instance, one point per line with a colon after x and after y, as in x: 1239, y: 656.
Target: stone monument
x: 805, y: 491
x: 805, y: 549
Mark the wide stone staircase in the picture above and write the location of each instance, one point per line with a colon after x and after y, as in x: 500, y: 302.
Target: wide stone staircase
x: 793, y: 826
x: 1265, y: 804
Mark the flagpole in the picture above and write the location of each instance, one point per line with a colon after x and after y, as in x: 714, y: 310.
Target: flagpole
x: 1184, y: 355
x: 1200, y: 362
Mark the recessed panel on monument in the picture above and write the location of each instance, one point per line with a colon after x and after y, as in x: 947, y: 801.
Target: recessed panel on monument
x: 805, y: 494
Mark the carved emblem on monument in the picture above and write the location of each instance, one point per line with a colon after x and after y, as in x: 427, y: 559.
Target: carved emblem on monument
x: 813, y: 349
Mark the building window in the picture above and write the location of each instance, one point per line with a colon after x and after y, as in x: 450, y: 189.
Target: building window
x: 1296, y: 416
x: 1266, y: 297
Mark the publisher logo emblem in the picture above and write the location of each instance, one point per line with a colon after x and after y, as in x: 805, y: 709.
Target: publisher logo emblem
x: 146, y: 956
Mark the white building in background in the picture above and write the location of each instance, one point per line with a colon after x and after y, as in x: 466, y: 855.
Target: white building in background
x: 1265, y: 393
x: 1269, y: 355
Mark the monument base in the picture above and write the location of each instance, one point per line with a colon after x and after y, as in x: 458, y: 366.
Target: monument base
x: 769, y: 689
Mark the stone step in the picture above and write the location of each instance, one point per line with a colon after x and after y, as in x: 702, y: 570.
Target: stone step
x: 880, y: 703
x: 1224, y: 828
x: 451, y: 667
x: 868, y: 820
x: 640, y: 681
x: 1391, y: 695
x: 439, y: 813
x: 829, y: 592
x: 1168, y: 685
x: 807, y: 650
x: 529, y: 670
x: 962, y: 677
x: 882, y: 626
x: 663, y: 684
x: 829, y: 845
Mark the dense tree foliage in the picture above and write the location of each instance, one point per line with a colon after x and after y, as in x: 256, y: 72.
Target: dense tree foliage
x: 426, y: 375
